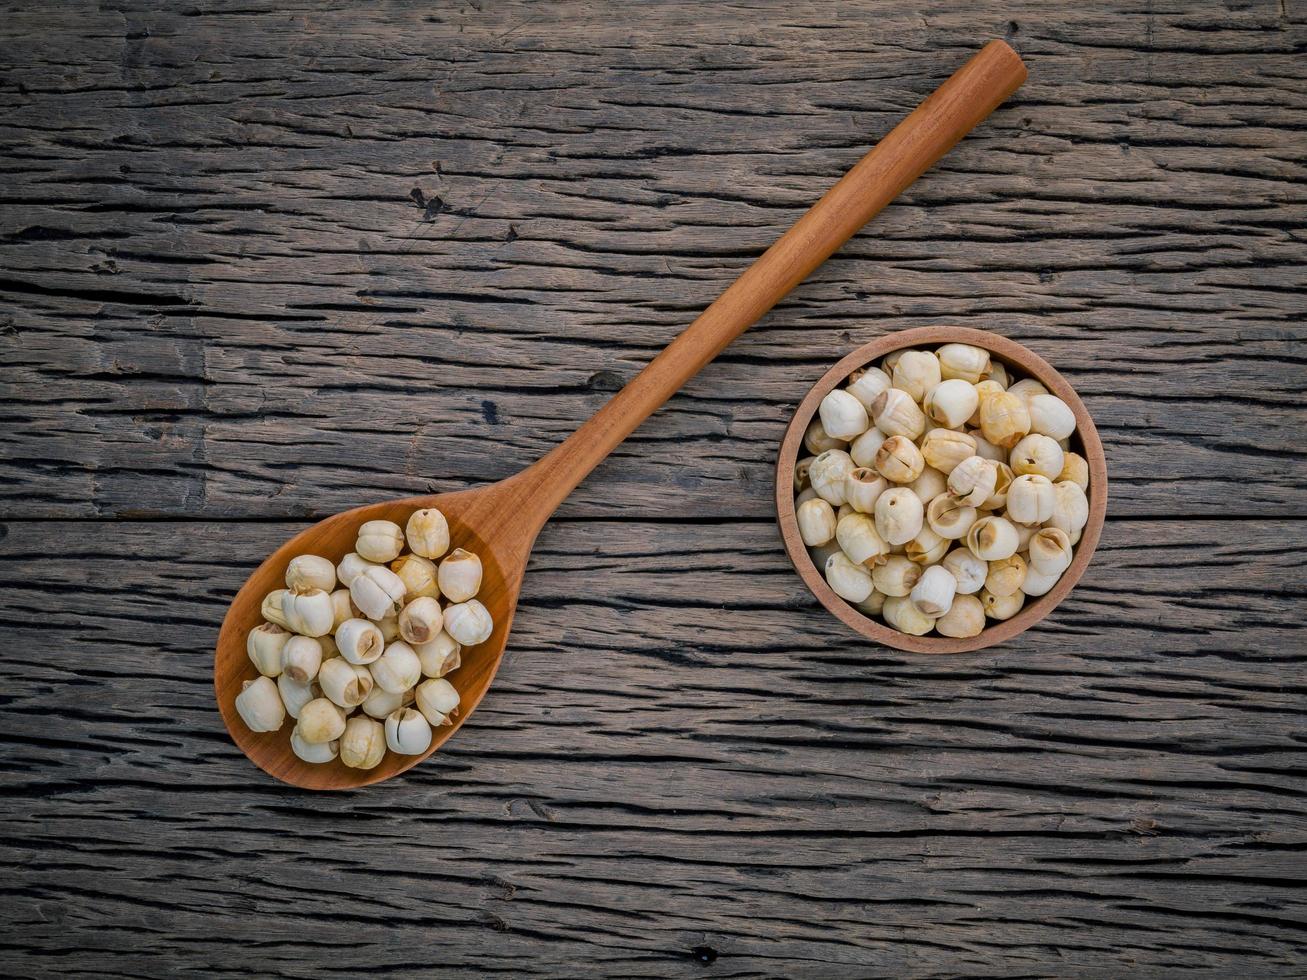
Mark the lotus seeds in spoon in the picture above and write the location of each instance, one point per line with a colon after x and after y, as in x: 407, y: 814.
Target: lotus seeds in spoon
x: 360, y: 668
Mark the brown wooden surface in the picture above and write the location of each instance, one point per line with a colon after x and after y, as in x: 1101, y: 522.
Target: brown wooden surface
x: 263, y: 264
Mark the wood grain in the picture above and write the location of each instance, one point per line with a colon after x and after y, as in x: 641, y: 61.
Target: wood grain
x: 1122, y: 791
x: 223, y: 292
x: 262, y: 262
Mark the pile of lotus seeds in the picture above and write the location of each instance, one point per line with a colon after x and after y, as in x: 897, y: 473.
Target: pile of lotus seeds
x: 942, y: 490
x: 326, y: 653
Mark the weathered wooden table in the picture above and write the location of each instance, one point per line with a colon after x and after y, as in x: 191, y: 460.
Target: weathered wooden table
x: 262, y: 262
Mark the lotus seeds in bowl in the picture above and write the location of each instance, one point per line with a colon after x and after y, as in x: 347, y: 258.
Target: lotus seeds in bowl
x: 942, y: 490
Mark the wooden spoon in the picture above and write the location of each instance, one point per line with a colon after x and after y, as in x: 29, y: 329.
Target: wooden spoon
x: 500, y: 522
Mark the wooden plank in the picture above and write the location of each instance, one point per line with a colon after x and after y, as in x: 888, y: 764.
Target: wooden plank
x: 269, y: 263
x: 272, y: 260
x: 1122, y: 790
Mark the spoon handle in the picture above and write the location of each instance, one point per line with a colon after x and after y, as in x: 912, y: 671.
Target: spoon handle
x: 916, y: 143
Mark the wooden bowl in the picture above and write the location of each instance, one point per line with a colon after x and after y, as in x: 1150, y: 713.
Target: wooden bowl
x: 1024, y: 362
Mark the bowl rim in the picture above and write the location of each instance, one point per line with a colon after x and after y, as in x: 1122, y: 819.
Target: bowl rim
x: 1032, y: 365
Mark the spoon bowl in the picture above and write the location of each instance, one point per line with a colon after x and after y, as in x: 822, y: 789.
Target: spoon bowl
x: 476, y: 522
